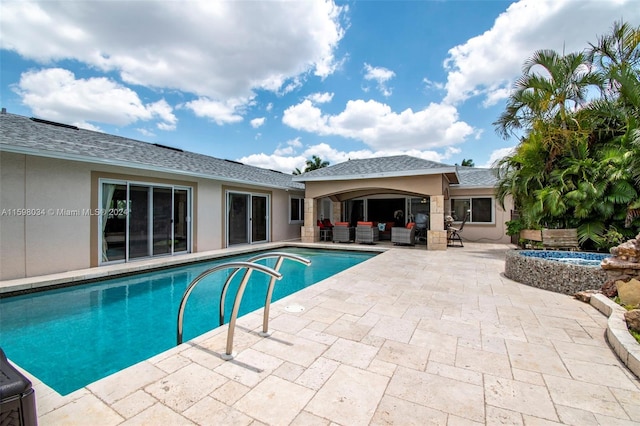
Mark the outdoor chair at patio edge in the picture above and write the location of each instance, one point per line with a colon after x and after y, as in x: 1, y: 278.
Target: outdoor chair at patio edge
x: 342, y: 232
x: 453, y: 233
x: 367, y: 233
x: 406, y: 235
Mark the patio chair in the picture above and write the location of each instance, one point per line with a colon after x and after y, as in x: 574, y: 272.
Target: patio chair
x: 422, y: 224
x: 367, y: 233
x: 342, y: 233
x: 453, y: 233
x: 403, y: 236
x: 326, y: 229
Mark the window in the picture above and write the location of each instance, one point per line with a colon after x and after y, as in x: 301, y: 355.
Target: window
x: 479, y: 208
x: 296, y: 213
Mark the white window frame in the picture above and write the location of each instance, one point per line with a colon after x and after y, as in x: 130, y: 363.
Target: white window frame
x: 471, y: 198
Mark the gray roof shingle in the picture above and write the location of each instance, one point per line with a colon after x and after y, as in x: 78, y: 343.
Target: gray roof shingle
x: 24, y: 135
x: 399, y: 165
x: 477, y: 177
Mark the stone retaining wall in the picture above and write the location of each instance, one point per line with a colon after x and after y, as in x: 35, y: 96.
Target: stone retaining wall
x: 552, y: 275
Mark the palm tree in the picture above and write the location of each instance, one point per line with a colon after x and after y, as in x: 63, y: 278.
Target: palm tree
x: 552, y: 85
x: 315, y: 163
x: 296, y: 172
x: 578, y: 161
x: 467, y: 163
x: 617, y: 54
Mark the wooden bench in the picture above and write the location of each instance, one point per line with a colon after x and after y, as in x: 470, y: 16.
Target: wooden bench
x: 531, y: 235
x: 552, y: 238
x: 560, y: 238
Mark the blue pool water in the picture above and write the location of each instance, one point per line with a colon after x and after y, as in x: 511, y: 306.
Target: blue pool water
x: 74, y: 336
x: 568, y: 257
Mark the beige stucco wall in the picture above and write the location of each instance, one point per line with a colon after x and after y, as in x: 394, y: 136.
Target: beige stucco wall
x: 341, y: 190
x: 46, y: 237
x: 495, y: 232
x: 12, y: 196
x: 55, y: 238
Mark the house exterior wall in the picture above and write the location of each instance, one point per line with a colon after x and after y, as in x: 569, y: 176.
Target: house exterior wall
x: 494, y: 232
x: 39, y: 232
x: 53, y: 235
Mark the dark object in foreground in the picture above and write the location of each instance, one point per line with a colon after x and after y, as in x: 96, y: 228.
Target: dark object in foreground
x: 17, y: 397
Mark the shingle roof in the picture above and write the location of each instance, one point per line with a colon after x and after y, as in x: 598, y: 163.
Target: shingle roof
x: 477, y: 177
x: 24, y: 135
x: 399, y: 165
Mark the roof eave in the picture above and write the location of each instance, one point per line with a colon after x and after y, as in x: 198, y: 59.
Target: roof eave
x: 139, y: 166
x: 435, y: 171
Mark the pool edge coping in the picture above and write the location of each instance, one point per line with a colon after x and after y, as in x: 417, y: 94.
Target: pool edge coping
x: 17, y: 286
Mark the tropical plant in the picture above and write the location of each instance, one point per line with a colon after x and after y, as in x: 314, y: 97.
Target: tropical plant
x: 578, y: 161
x: 315, y: 163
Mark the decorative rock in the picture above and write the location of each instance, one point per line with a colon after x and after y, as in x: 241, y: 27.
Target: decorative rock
x: 585, y: 296
x: 629, y: 292
x: 628, y: 251
x: 633, y: 319
x: 609, y: 288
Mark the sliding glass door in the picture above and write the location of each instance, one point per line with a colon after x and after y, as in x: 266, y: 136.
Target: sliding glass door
x: 258, y: 218
x: 247, y: 218
x: 143, y: 220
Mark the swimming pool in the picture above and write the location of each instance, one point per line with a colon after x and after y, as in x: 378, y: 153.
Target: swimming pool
x: 73, y: 336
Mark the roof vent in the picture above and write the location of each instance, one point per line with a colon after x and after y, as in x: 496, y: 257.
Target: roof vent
x: 234, y: 162
x: 168, y: 147
x: 53, y: 123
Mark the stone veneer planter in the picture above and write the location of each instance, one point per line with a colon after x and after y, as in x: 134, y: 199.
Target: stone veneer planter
x: 621, y: 341
x: 532, y: 267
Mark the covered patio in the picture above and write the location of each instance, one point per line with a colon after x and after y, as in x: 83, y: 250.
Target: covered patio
x: 377, y: 179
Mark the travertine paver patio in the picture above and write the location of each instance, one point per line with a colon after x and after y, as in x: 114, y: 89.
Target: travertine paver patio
x: 409, y: 337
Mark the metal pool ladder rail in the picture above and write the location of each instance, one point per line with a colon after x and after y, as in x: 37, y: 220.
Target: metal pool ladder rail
x: 249, y: 266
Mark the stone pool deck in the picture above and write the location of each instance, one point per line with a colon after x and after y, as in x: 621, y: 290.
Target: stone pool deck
x: 409, y: 337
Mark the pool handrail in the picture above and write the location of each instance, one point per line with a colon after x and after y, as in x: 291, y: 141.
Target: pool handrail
x: 267, y: 303
x: 249, y: 266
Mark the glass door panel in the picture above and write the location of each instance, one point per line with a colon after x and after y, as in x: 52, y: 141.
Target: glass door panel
x: 162, y: 208
x: 113, y: 221
x: 139, y: 242
x: 180, y: 220
x: 238, y: 218
x: 258, y: 218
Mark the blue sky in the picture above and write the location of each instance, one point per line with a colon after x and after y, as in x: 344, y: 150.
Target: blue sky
x: 272, y: 83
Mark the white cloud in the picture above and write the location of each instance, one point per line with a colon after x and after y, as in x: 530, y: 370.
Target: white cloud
x: 432, y: 84
x: 257, y: 122
x: 290, y: 147
x: 380, y: 75
x: 286, y: 160
x: 320, y: 98
x: 57, y: 94
x: 215, y: 50
x: 488, y: 64
x: 497, y: 155
x: 375, y: 124
x: 229, y: 111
